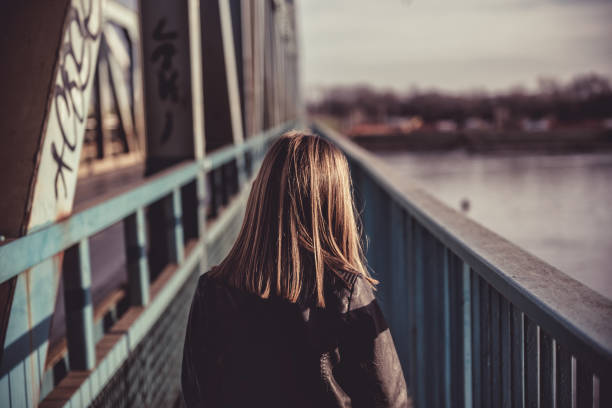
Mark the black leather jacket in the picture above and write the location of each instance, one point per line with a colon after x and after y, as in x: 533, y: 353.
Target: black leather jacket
x: 244, y: 351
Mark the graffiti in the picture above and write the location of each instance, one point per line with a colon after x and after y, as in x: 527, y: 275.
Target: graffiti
x: 76, y: 57
x: 167, y: 76
x: 168, y: 125
x: 167, y: 86
x: 61, y: 165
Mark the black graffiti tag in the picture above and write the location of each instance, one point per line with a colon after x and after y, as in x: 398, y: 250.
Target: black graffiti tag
x: 61, y: 165
x: 74, y: 71
x: 167, y: 76
x: 168, y: 125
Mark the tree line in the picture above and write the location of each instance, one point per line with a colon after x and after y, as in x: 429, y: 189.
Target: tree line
x: 585, y: 98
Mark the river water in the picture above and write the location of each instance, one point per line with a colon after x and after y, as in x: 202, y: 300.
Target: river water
x: 558, y: 207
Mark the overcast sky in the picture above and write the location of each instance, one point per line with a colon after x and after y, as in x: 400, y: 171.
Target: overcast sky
x: 450, y: 44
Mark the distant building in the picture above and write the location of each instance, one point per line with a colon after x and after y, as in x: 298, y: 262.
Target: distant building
x: 475, y: 123
x: 393, y: 126
x: 371, y: 129
x: 446, y: 125
x: 536, y: 125
x: 356, y: 117
x: 406, y: 124
x: 502, y: 117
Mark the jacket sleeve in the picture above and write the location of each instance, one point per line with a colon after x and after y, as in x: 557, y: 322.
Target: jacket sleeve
x: 193, y: 354
x: 370, y: 370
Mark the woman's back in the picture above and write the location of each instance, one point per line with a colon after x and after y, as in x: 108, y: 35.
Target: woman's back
x: 238, y: 348
x: 242, y: 350
x: 289, y: 317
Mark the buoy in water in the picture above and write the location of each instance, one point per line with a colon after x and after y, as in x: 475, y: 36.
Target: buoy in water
x: 465, y: 205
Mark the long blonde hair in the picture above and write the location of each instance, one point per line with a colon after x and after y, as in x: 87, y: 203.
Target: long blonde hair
x: 299, y: 223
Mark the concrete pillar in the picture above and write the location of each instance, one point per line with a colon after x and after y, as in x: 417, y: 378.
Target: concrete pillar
x: 174, y: 109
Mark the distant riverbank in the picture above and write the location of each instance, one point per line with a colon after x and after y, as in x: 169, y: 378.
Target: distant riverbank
x: 554, y: 141
x: 554, y: 206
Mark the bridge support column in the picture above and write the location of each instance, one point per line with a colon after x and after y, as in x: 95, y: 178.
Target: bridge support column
x: 174, y: 111
x: 253, y: 26
x: 221, y: 93
x: 51, y: 52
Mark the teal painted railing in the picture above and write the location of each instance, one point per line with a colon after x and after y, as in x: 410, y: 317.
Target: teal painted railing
x: 229, y: 166
x: 477, y: 321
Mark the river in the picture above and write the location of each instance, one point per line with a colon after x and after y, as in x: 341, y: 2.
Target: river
x: 558, y: 207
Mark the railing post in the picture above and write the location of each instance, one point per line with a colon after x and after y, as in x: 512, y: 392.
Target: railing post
x: 76, y: 277
x: 224, y: 185
x: 476, y: 346
x: 241, y: 169
x: 201, y: 197
x: 546, y: 369
x: 467, y: 334
x: 174, y: 227
x: 447, y: 327
x: 399, y: 287
x: 532, y: 357
x: 410, y: 298
x: 214, y: 194
x: 419, y: 303
x: 495, y: 348
x: 506, y: 354
x: 563, y: 377
x: 137, y: 263
x: 258, y: 152
x: 248, y: 163
x: 584, y: 385
x: 518, y: 357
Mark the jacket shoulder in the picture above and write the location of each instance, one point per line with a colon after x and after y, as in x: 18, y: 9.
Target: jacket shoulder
x: 362, y: 293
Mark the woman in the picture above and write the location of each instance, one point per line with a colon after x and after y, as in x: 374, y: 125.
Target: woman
x: 289, y: 318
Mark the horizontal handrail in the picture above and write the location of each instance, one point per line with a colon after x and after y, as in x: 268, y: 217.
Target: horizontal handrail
x: 564, y: 307
x: 226, y: 154
x: 25, y: 252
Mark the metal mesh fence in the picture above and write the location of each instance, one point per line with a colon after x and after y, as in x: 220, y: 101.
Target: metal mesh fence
x: 151, y: 375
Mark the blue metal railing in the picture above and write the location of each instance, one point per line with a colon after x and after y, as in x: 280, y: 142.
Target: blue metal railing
x: 72, y: 234
x: 20, y: 254
x: 477, y: 320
